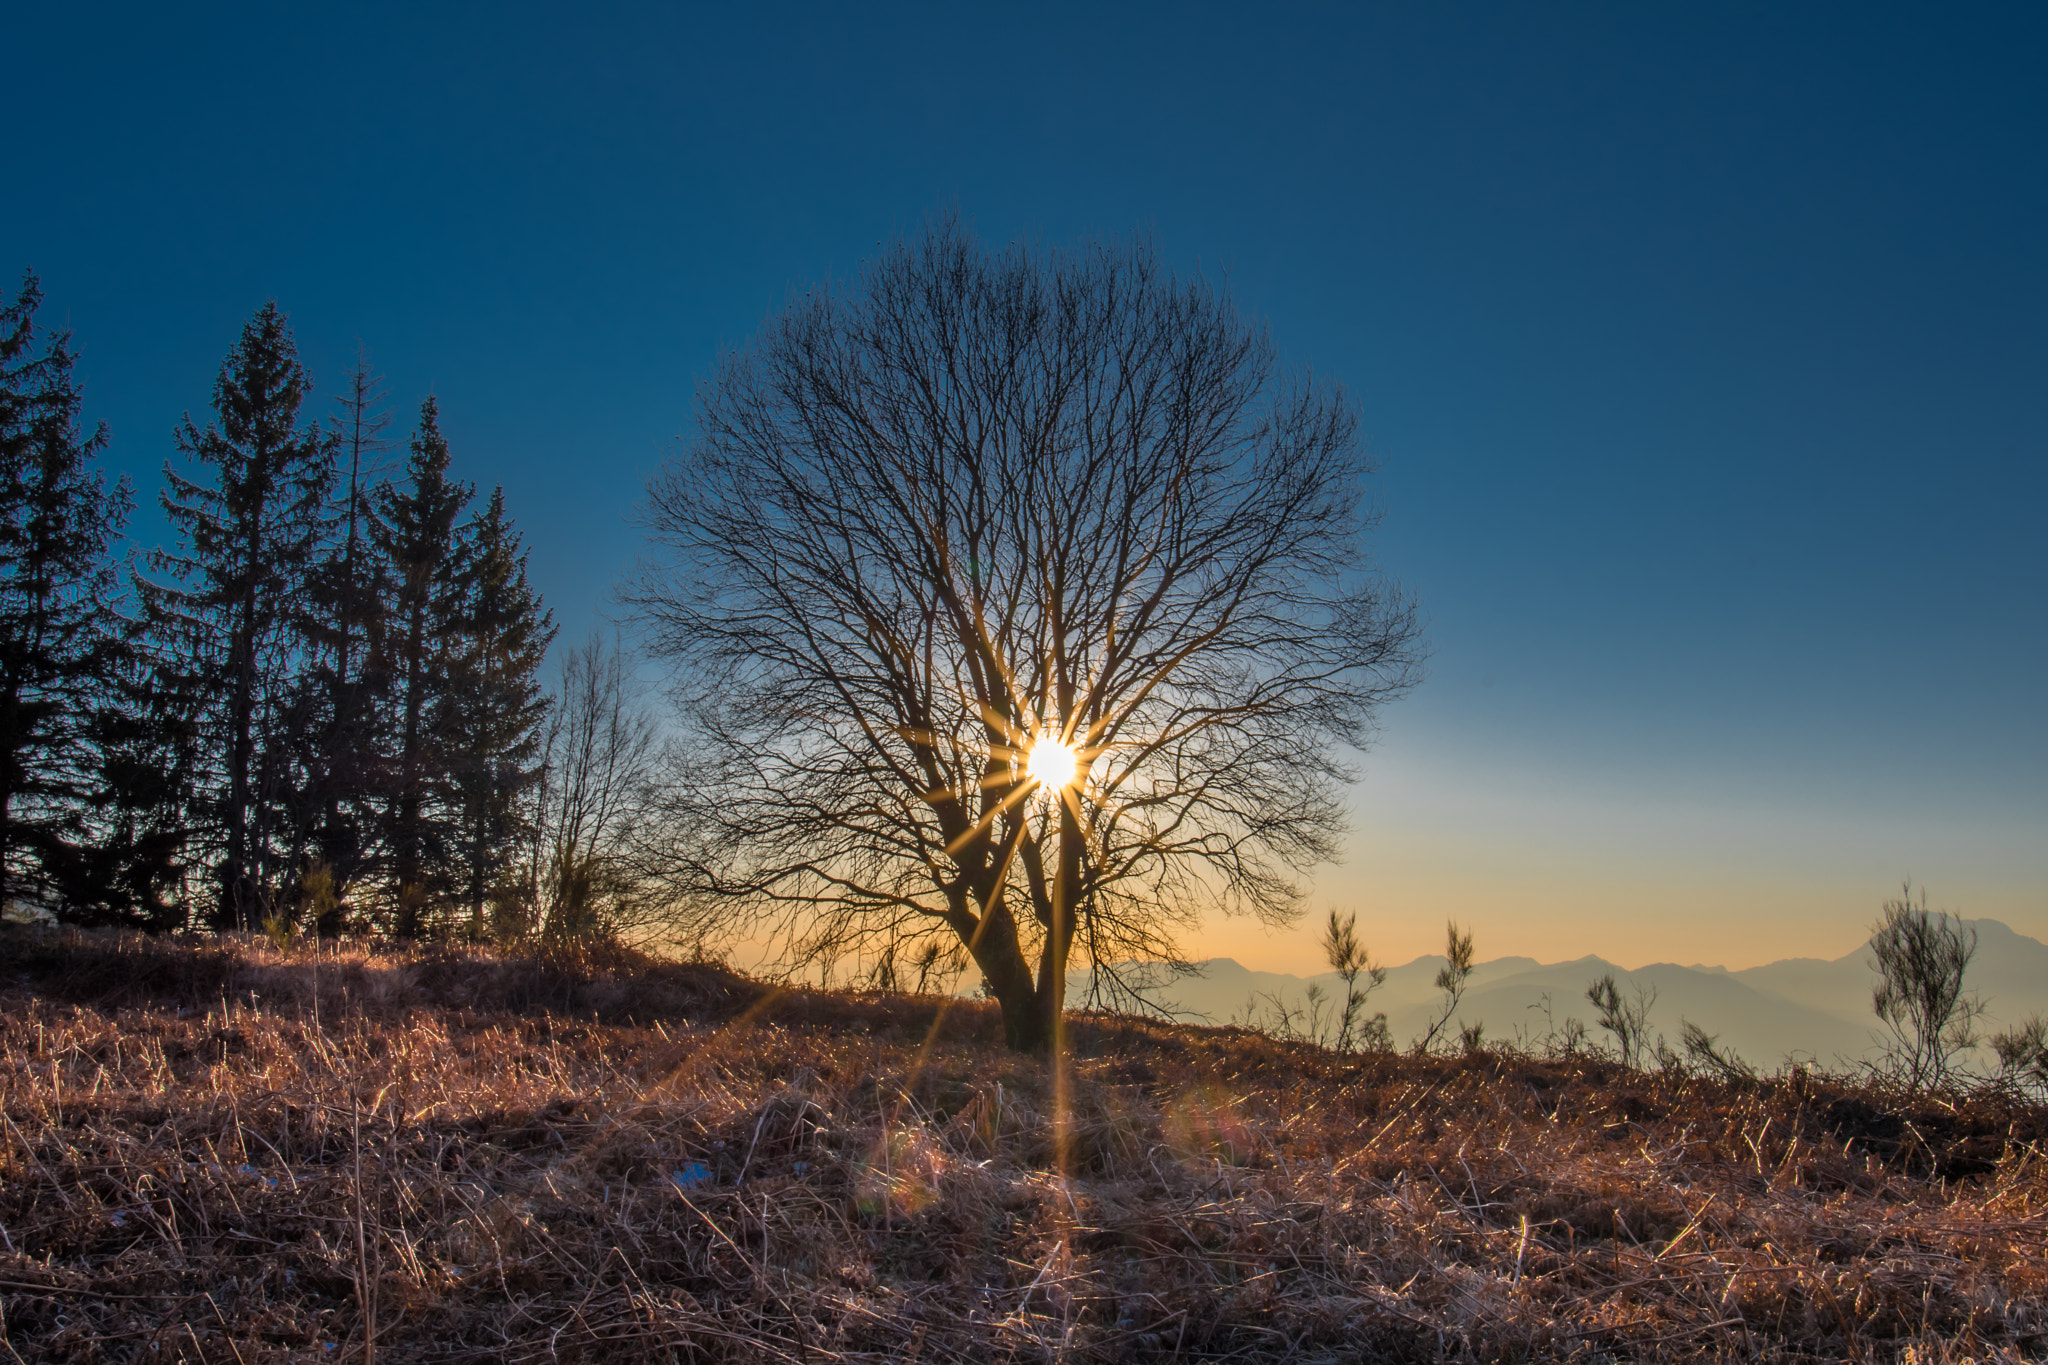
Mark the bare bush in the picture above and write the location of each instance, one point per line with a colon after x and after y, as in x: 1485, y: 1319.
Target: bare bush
x: 1625, y: 1017
x: 2023, y: 1054
x: 1920, y: 957
x: 1703, y: 1051
x: 1451, y: 979
x: 1350, y: 960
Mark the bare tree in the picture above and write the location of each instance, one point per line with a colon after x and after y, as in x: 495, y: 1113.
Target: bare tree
x: 1017, y: 598
x: 1920, y: 957
x: 581, y: 878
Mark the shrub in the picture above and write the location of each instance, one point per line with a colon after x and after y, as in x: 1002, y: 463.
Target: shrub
x: 1457, y: 970
x: 1627, y: 1018
x: 2023, y: 1054
x: 1920, y: 957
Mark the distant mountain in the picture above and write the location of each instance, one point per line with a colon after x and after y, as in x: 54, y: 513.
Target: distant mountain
x: 1799, y: 1008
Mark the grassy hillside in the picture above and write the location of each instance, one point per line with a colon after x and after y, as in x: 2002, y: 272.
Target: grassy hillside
x: 214, y: 1152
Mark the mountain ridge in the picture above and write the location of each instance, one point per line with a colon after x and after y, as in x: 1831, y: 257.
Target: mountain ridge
x: 1806, y: 1009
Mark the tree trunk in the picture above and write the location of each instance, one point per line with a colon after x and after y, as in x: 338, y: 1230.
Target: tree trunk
x: 6, y: 840
x: 241, y: 753
x: 476, y: 881
x: 342, y: 752
x: 406, y: 849
x: 1049, y: 1001
x: 11, y: 767
x: 990, y: 938
x: 1034, y: 1011
x: 1025, y: 1027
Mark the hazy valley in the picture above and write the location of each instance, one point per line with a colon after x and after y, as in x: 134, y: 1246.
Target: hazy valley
x: 1804, y: 1008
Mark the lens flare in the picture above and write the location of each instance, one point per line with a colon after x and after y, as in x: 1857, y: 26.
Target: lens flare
x: 1052, y: 763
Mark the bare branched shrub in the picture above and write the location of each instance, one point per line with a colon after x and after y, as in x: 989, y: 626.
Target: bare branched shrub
x: 1625, y: 1017
x: 938, y: 965
x: 2023, y: 1054
x: 1277, y: 1018
x: 1920, y: 957
x: 1703, y: 1051
x: 1451, y: 979
x: 1350, y: 960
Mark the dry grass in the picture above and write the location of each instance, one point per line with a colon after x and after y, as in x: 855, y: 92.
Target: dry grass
x: 574, y: 1160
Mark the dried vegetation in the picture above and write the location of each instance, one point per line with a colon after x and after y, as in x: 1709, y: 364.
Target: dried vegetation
x: 218, y: 1153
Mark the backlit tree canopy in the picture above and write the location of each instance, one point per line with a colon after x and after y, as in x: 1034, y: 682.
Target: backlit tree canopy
x: 978, y: 502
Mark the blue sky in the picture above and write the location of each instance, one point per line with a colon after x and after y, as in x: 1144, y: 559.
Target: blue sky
x: 1703, y: 353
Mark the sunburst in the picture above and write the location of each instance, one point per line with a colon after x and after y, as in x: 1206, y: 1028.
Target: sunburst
x: 1053, y: 763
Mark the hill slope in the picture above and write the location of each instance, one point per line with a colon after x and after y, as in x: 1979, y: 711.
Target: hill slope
x: 215, y: 1153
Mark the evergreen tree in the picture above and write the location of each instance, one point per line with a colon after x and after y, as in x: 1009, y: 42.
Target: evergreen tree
x: 291, y: 776
x: 59, y: 519
x: 425, y: 554
x: 499, y: 707
x: 227, y: 614
x: 346, y: 627
x: 145, y: 747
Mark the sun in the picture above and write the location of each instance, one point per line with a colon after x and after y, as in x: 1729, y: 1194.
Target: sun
x: 1052, y: 763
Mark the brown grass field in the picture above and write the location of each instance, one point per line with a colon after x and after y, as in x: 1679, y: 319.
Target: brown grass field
x: 217, y: 1152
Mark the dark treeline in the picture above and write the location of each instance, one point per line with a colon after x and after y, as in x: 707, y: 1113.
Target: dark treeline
x: 319, y: 705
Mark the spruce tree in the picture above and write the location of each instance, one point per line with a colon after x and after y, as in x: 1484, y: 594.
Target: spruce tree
x: 145, y: 747
x: 423, y: 547
x: 59, y: 521
x: 228, y: 608
x: 499, y: 705
x: 346, y: 627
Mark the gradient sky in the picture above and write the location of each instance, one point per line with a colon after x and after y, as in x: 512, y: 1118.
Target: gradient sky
x: 1703, y: 351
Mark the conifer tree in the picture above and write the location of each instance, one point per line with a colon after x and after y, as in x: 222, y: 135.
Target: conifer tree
x: 423, y: 546
x: 59, y: 520
x: 291, y: 771
x: 228, y: 607
x: 498, y: 709
x: 346, y: 628
x: 145, y: 747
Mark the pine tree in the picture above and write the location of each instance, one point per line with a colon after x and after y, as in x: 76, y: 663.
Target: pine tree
x: 424, y: 551
x: 226, y: 615
x: 59, y: 520
x: 499, y: 706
